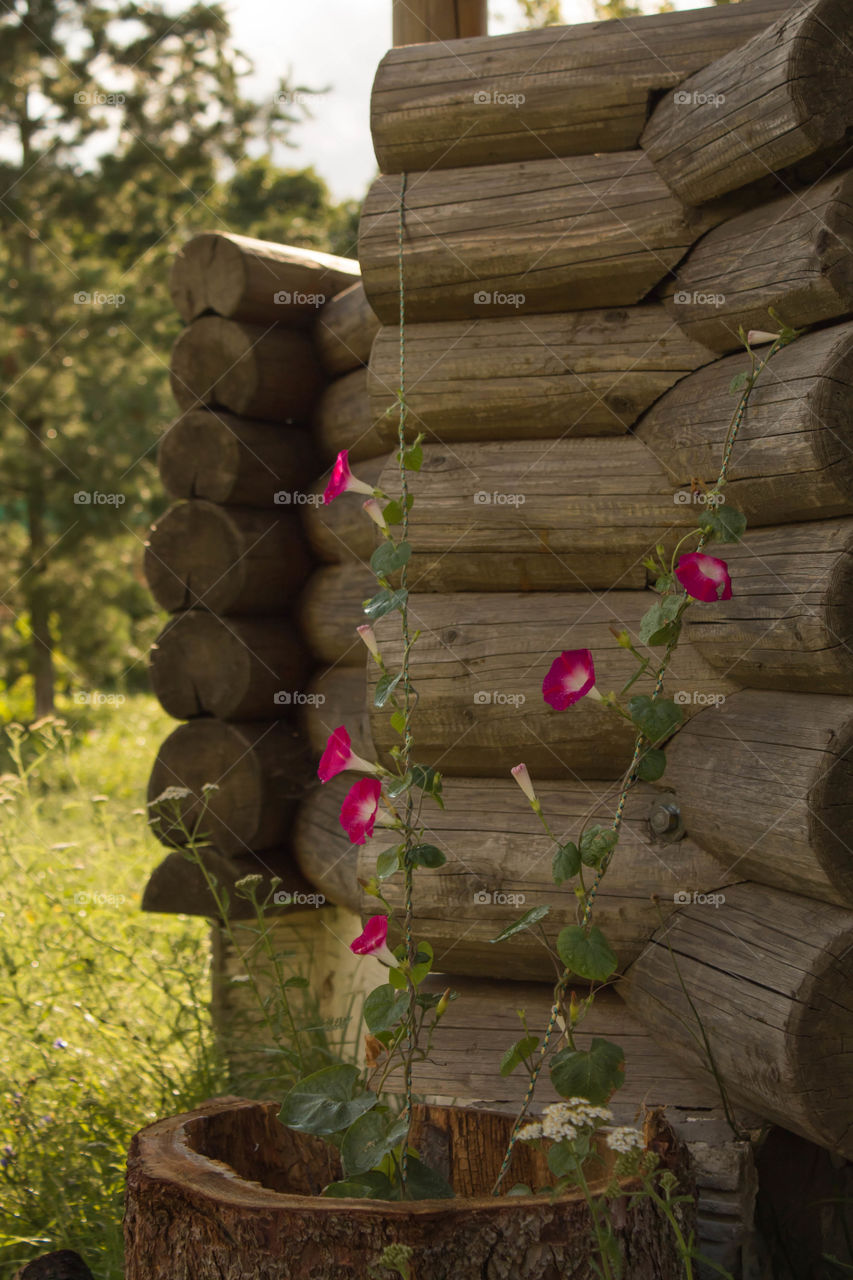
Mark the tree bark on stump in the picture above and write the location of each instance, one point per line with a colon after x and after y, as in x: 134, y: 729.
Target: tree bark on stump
x: 225, y: 1192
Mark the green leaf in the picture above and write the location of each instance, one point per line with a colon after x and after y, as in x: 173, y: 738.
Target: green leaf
x: 398, y: 722
x: 527, y: 921
x: 385, y: 686
x: 596, y: 843
x: 370, y: 1138
x: 413, y: 457
x: 426, y: 855
x: 366, y: 1186
x: 393, y: 513
x: 390, y: 556
x: 588, y: 956
x: 296, y: 981
x: 593, y: 1074
x: 658, y: 625
x: 723, y: 523
x: 388, y: 862
x: 398, y: 785
x: 516, y: 1054
x: 424, y: 1183
x: 383, y: 602
x: 520, y: 1189
x: 430, y: 781
x: 561, y: 1159
x: 739, y: 381
x: 323, y: 1102
x: 652, y: 765
x: 384, y: 1008
x: 567, y: 863
x: 420, y: 969
x: 657, y: 719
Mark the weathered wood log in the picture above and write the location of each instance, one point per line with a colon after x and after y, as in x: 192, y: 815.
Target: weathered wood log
x: 783, y: 95
x: 794, y: 255
x: 564, y: 516
x: 337, y: 696
x: 556, y: 91
x: 520, y: 238
x: 764, y: 782
x: 341, y: 531
x: 214, y: 1192
x: 417, y: 21
x: 257, y: 370
x: 794, y: 455
x: 499, y: 865
x: 258, y: 772
x: 231, y: 668
x: 769, y: 975
x: 478, y: 669
x: 344, y: 331
x: 345, y: 419
x: 789, y: 623
x: 329, y: 611
x: 226, y: 559
x: 216, y: 455
x: 586, y: 373
x: 179, y: 885
x: 255, y: 280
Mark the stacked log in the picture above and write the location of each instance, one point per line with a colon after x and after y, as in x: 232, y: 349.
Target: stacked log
x: 269, y: 378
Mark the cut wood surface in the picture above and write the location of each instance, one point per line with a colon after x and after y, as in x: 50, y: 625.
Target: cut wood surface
x: 559, y: 515
x: 179, y: 885
x: 794, y: 455
x: 789, y: 623
x: 258, y: 771
x: 417, y: 21
x: 337, y: 696
x: 794, y: 254
x: 214, y: 1192
x: 586, y: 373
x: 255, y: 280
x: 344, y: 331
x: 226, y: 559
x: 764, y: 782
x: 516, y: 239
x: 344, y: 418
x: 330, y: 609
x: 478, y: 668
x: 216, y: 455
x: 769, y: 975
x: 555, y: 91
x: 499, y: 865
x: 232, y: 668
x: 783, y: 95
x: 340, y: 531
x: 261, y: 371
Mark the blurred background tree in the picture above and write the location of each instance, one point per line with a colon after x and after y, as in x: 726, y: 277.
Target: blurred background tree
x: 123, y: 130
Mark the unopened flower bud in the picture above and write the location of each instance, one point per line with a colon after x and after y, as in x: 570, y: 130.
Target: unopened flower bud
x: 373, y: 509
x: 368, y: 635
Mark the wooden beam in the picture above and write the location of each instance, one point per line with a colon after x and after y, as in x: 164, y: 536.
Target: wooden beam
x: 344, y: 331
x: 423, y: 21
x: 345, y: 418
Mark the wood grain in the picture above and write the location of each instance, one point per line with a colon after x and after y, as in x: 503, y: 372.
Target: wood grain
x: 344, y: 331
x: 344, y: 418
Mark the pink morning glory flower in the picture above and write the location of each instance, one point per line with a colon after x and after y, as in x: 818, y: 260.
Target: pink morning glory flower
x: 342, y: 480
x: 339, y: 756
x: 374, y: 510
x: 571, y: 677
x: 359, y: 809
x: 704, y: 577
x: 372, y: 939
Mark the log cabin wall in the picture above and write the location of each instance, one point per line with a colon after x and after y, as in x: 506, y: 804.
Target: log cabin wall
x: 591, y: 214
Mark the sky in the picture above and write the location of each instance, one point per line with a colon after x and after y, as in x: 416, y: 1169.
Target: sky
x: 337, y: 44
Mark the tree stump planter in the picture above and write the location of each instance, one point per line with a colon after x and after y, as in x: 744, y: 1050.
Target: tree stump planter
x: 226, y: 1191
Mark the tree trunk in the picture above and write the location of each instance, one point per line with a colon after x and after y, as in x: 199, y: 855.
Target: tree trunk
x: 36, y: 593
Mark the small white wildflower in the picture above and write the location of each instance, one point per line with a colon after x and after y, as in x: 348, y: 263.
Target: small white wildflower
x: 530, y: 1131
x: 624, y: 1140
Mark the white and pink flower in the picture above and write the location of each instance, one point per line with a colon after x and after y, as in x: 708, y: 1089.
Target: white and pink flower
x: 339, y: 756
x: 342, y: 480
x: 571, y: 677
x: 372, y: 939
x: 368, y: 635
x: 704, y: 577
x: 359, y: 809
x: 522, y: 777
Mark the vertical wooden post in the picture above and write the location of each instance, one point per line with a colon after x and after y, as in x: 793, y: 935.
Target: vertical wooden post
x: 423, y: 21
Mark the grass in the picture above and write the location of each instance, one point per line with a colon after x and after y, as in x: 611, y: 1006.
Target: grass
x: 103, y: 1010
